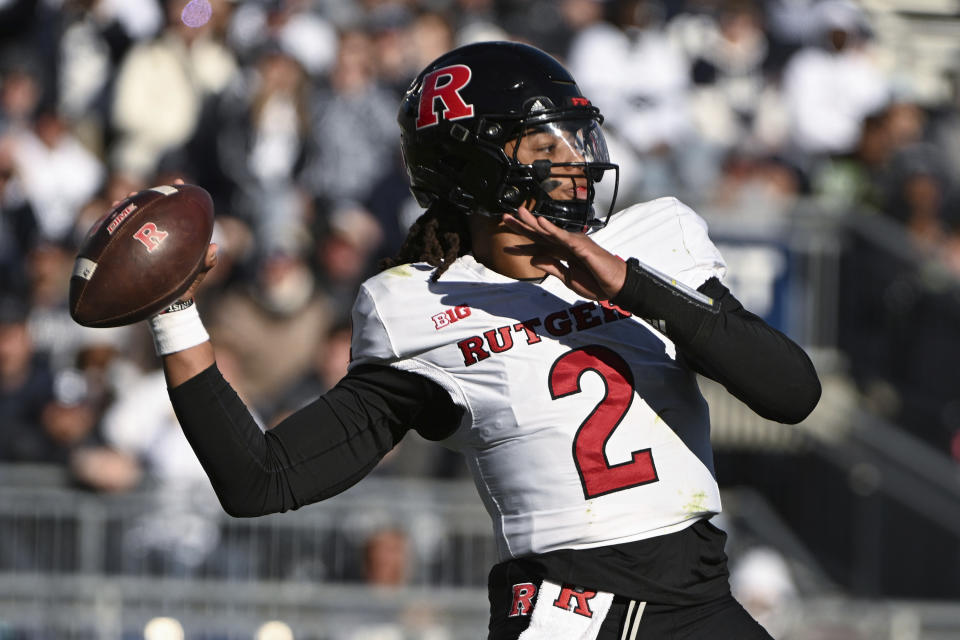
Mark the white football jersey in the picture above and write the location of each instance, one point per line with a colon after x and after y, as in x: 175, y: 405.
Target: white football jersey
x: 580, y: 427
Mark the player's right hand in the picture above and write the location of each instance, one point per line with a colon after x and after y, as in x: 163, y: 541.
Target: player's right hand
x: 580, y: 263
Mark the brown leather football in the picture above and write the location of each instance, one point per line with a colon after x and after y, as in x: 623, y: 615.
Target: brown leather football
x: 141, y: 256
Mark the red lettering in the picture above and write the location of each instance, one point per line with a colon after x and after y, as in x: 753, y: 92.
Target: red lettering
x: 150, y: 237
x: 522, y: 599
x: 449, y: 316
x: 611, y: 311
x: 557, y: 323
x: 582, y: 607
x: 472, y: 350
x: 527, y: 327
x: 583, y: 317
x: 579, y: 102
x: 501, y: 343
x: 444, y: 84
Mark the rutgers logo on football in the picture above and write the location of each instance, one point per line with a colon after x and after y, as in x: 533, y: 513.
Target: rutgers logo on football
x: 150, y: 236
x: 444, y: 85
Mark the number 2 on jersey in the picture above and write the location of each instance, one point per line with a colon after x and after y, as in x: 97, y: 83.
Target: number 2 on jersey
x: 596, y: 475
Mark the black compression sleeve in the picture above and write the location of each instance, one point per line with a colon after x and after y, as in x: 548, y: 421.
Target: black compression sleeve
x: 315, y: 453
x: 720, y: 339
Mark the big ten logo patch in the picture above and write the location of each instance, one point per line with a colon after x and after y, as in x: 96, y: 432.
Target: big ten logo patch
x: 150, y: 236
x: 575, y: 599
x: 523, y: 595
x: 449, y: 316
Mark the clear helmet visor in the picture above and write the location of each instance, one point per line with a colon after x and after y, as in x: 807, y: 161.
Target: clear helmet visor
x: 563, y: 142
x: 561, y: 162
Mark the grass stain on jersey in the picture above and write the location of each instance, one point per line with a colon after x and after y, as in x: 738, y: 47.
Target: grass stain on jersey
x: 402, y: 270
x: 697, y: 503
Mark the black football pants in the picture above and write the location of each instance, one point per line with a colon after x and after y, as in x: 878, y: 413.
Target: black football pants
x: 720, y: 619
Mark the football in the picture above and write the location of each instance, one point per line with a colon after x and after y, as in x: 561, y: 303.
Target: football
x: 141, y: 256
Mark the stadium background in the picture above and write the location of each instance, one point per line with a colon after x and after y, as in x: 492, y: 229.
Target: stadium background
x: 820, y: 139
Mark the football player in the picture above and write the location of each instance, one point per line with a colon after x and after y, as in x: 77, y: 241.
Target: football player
x: 554, y: 345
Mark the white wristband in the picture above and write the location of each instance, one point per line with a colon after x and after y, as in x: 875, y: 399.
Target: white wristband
x: 176, y: 330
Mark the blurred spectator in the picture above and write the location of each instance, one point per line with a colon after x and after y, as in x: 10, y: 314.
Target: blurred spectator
x: 262, y: 121
x: 21, y: 91
x: 946, y: 124
x: 49, y: 417
x: 761, y: 580
x: 282, y: 306
x: 69, y: 419
x: 26, y: 385
x: 55, y: 334
x: 917, y: 184
x: 831, y: 86
x: 733, y: 104
x: 59, y: 175
x: 387, y: 558
x: 390, y: 28
x: 640, y: 80
x: 790, y: 26
x: 345, y: 253
x: 855, y: 181
x: 141, y: 423
x: 476, y: 21
x: 328, y: 365
x: 161, y: 87
x: 353, y: 132
x: 431, y: 35
x: 116, y: 187
x: 762, y: 187
x: 180, y: 529
x: 94, y: 35
x: 18, y: 225
x: 290, y: 26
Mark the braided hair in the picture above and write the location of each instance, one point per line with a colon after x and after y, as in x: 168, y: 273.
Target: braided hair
x: 438, y: 237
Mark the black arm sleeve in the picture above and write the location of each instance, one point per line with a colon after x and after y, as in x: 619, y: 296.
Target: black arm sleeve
x: 318, y: 451
x: 723, y: 341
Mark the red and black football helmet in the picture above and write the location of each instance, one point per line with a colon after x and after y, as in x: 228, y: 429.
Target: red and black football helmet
x: 460, y: 113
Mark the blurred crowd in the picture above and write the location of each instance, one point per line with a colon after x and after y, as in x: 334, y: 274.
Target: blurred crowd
x: 284, y: 110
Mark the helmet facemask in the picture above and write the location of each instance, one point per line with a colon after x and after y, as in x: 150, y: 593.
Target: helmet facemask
x: 554, y: 165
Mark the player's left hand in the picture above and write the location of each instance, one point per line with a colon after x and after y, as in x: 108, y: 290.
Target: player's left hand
x: 580, y: 263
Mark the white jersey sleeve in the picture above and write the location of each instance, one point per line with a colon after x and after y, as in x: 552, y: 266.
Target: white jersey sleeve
x: 667, y: 235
